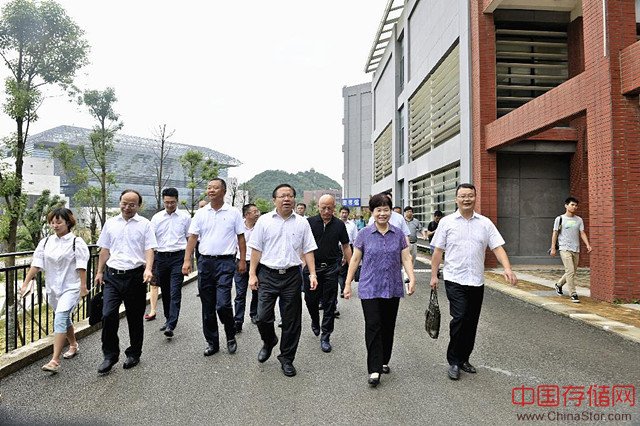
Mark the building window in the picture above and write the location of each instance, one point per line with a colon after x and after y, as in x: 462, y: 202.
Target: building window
x: 434, y: 109
x: 400, y: 137
x: 401, y: 63
x: 382, y: 160
x: 435, y: 191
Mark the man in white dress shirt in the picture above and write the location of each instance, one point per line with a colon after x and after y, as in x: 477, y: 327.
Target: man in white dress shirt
x: 352, y: 231
x: 220, y: 229
x: 171, y: 227
x: 278, y: 242
x: 465, y: 236
x: 126, y: 249
x: 251, y: 214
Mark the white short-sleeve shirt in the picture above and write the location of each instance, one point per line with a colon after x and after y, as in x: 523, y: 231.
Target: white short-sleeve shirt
x: 465, y: 242
x: 171, y: 230
x: 60, y: 263
x: 217, y: 230
x: 282, y: 241
x: 352, y: 230
x: 247, y: 235
x: 127, y: 241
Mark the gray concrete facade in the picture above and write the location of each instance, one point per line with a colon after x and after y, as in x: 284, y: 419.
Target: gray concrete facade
x: 424, y: 35
x: 358, y: 173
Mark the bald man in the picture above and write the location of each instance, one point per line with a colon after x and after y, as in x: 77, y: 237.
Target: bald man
x: 332, y: 240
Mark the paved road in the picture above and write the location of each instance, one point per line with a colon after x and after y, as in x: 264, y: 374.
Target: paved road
x: 518, y: 345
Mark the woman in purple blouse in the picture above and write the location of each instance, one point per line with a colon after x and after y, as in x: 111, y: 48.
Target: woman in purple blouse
x: 383, y: 250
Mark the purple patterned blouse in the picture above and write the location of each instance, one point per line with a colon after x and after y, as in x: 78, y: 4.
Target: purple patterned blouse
x: 381, y: 273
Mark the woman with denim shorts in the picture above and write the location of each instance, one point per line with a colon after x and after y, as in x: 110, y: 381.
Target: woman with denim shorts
x: 63, y: 257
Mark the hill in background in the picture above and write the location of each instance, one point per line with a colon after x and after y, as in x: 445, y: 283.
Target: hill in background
x: 262, y: 184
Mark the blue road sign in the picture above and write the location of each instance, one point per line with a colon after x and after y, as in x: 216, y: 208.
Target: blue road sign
x: 351, y: 202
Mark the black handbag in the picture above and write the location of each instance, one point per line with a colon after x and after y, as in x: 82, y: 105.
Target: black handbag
x: 95, y: 309
x: 432, y: 314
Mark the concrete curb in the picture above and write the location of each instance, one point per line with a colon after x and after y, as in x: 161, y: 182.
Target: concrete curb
x: 576, y: 312
x: 626, y: 331
x: 28, y: 354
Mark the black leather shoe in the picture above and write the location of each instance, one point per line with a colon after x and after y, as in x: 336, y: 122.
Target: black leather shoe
x: 163, y: 328
x: 265, y: 352
x: 336, y: 314
x: 288, y: 369
x: 454, y: 372
x: 386, y: 369
x: 130, y: 362
x: 232, y: 346
x: 315, y: 328
x: 373, y: 380
x: 468, y: 368
x: 168, y: 332
x: 238, y: 327
x: 106, y: 365
x: 210, y: 350
x: 325, y: 346
x: 254, y: 320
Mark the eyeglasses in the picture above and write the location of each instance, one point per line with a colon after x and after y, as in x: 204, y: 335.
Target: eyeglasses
x: 465, y: 197
x: 170, y: 203
x: 130, y: 205
x: 281, y: 197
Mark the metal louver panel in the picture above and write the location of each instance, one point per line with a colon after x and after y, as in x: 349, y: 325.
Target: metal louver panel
x: 382, y: 163
x: 528, y: 64
x: 434, y: 109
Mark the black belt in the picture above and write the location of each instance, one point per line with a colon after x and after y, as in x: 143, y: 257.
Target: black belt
x: 327, y: 263
x: 124, y: 271
x: 280, y: 271
x: 218, y: 256
x: 170, y: 253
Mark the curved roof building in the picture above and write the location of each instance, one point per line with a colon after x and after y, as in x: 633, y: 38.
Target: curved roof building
x: 133, y: 161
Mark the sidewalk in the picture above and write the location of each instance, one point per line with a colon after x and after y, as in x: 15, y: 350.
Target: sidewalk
x: 535, y: 286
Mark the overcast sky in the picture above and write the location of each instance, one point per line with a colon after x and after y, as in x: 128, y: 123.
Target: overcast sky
x: 260, y: 80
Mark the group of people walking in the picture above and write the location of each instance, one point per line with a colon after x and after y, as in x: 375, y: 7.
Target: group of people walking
x: 277, y: 256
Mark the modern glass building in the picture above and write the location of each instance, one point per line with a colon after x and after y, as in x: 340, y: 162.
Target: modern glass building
x: 133, y: 161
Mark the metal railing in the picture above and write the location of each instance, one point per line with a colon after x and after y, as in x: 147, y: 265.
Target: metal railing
x: 26, y: 320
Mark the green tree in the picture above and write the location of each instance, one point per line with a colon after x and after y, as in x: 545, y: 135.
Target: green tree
x: 34, y: 219
x: 94, y: 155
x: 199, y: 170
x: 39, y: 44
x: 263, y: 205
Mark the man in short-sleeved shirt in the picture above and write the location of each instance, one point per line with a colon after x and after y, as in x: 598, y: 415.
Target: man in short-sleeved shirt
x: 465, y: 236
x: 278, y: 242
x: 125, y: 265
x: 220, y: 229
x: 415, y: 230
x: 331, y: 237
x: 171, y: 226
x: 568, y: 239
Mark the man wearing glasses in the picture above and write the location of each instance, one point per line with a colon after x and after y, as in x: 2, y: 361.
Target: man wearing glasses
x: 171, y: 226
x: 278, y: 242
x: 465, y: 236
x: 126, y: 249
x: 220, y: 229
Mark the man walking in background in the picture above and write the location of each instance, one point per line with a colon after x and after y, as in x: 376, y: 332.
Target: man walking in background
x: 171, y: 227
x: 332, y: 240
x: 568, y: 229
x: 251, y: 214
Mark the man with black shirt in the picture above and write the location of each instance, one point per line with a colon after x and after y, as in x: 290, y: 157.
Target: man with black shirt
x: 330, y: 234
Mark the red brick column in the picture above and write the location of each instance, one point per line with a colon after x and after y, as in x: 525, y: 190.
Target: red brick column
x: 483, y: 111
x: 613, y: 135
